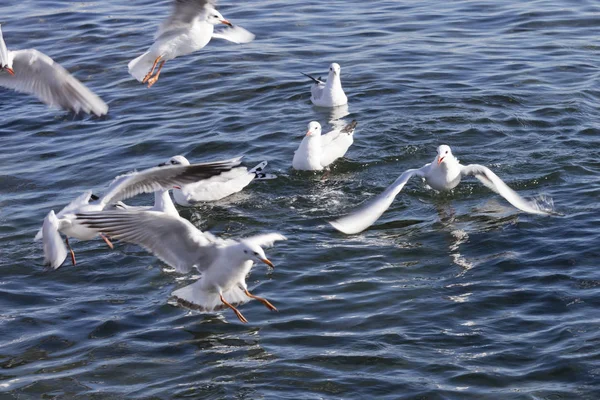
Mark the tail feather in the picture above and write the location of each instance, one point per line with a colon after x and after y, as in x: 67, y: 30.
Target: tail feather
x: 193, y: 296
x: 55, y: 251
x: 350, y: 127
x: 139, y: 67
x: 258, y: 168
x: 264, y: 177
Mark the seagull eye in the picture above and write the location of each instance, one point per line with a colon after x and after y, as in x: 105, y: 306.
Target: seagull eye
x: 245, y: 251
x: 446, y: 151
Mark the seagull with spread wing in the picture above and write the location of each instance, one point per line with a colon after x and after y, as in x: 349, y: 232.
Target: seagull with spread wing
x: 443, y: 173
x: 33, y: 72
x: 189, y: 28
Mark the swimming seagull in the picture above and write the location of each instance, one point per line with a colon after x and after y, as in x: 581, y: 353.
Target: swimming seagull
x: 443, y: 173
x: 216, y: 187
x: 318, y: 151
x: 223, y: 264
x: 189, y: 28
x: 122, y: 187
x: 330, y: 93
x: 33, y: 72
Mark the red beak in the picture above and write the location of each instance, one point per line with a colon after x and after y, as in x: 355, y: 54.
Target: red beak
x: 10, y: 71
x: 308, y: 133
x: 224, y: 21
x: 440, y: 159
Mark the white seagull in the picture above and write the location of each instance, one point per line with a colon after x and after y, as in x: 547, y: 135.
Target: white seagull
x: 33, y: 72
x: 162, y: 203
x: 189, y: 28
x: 318, y: 151
x: 122, y: 187
x: 330, y: 93
x: 223, y: 264
x: 216, y: 187
x: 443, y: 173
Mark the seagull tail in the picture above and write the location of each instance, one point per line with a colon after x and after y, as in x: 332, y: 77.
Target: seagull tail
x: 55, y: 251
x: 193, y: 296
x: 139, y: 67
x: 350, y: 127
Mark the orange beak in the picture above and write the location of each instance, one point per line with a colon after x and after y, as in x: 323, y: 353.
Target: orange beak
x: 308, y: 133
x: 224, y: 21
x: 10, y: 71
x: 269, y: 263
x: 177, y: 187
x: 440, y: 159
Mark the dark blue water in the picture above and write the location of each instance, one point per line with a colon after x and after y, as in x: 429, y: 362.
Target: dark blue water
x: 448, y: 296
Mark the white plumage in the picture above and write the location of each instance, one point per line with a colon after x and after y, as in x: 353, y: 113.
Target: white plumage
x: 318, y: 151
x: 330, y: 93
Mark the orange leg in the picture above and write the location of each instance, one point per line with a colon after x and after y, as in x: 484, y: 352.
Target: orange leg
x: 153, y: 80
x: 71, y: 250
x: 235, y: 310
x: 107, y: 240
x: 264, y: 301
x: 149, y: 74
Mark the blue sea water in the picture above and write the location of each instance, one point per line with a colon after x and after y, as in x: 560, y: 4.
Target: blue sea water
x: 448, y: 296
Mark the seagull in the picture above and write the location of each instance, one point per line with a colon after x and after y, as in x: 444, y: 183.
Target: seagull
x: 223, y: 264
x: 189, y: 28
x: 122, y: 187
x: 443, y: 173
x: 216, y: 187
x: 330, y: 93
x: 33, y: 72
x: 162, y: 203
x: 318, y: 151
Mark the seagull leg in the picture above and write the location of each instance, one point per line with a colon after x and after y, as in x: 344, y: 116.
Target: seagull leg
x: 262, y: 300
x: 153, y: 80
x: 235, y: 310
x: 107, y: 240
x: 149, y: 74
x: 326, y: 175
x: 71, y: 250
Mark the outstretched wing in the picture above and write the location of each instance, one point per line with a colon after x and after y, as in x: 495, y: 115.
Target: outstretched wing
x: 264, y: 240
x: 234, y: 34
x: 183, y: 13
x: 38, y: 74
x: 174, y: 240
x: 55, y: 251
x: 493, y: 182
x: 368, y: 213
x: 3, y: 50
x: 161, y: 178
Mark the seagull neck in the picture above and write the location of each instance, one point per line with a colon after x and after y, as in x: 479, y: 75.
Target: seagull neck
x: 334, y: 81
x: 162, y: 201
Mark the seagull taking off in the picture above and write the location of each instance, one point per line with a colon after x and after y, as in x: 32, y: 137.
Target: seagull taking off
x: 443, y: 173
x: 318, y: 151
x: 33, y: 72
x: 330, y: 93
x: 189, y: 28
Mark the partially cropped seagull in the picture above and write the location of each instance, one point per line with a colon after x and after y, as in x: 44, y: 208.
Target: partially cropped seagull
x: 162, y: 203
x: 443, y: 173
x: 330, y: 93
x: 318, y: 151
x: 189, y: 28
x: 33, y: 72
x: 122, y: 187
x: 223, y: 264
x: 216, y: 187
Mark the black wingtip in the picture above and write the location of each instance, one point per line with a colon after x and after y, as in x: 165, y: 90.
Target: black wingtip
x: 350, y: 127
x: 315, y: 80
x: 93, y: 197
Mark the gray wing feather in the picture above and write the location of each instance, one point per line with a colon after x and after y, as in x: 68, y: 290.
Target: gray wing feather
x: 183, y: 13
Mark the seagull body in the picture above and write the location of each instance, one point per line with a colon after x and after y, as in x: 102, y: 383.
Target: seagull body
x: 330, y: 93
x: 122, y: 187
x: 216, y: 187
x: 223, y: 264
x: 318, y: 151
x: 162, y: 203
x: 33, y: 72
x: 189, y: 28
x: 443, y: 173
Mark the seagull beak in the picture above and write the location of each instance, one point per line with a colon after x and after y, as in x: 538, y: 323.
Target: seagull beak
x: 162, y: 164
x: 177, y: 187
x: 269, y: 263
x: 308, y: 133
x: 224, y: 21
x: 10, y: 71
x: 440, y: 159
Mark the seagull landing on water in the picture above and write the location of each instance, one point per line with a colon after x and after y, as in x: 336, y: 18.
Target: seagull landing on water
x: 318, y: 151
x: 189, y: 28
x: 33, y: 72
x: 443, y: 173
x: 223, y: 264
x: 330, y: 93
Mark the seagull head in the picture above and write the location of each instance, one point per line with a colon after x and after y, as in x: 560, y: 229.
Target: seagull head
x: 444, y: 154
x: 214, y: 17
x: 177, y: 160
x: 314, y: 129
x: 251, y: 252
x: 334, y: 69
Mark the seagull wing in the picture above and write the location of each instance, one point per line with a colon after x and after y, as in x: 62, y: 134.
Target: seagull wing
x: 493, y: 182
x: 3, y: 50
x: 55, y: 251
x: 38, y: 74
x: 161, y: 178
x: 174, y: 240
x: 336, y: 143
x: 183, y: 14
x: 265, y: 240
x: 74, y: 205
x: 235, y: 34
x: 368, y: 213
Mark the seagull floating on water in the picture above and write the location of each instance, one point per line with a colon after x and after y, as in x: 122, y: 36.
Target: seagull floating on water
x: 330, y: 93
x: 216, y: 187
x: 443, y: 173
x: 189, y: 28
x: 33, y: 72
x: 223, y: 264
x: 122, y: 187
x: 318, y: 151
